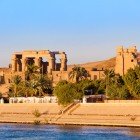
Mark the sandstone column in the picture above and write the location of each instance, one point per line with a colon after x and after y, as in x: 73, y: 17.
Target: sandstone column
x: 63, y: 62
x: 18, y: 65
x: 51, y: 66
x: 53, y: 63
x: 37, y: 61
x: 14, y: 63
x: 63, y: 65
x: 23, y: 64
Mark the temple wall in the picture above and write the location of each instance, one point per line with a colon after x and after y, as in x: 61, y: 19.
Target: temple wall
x: 99, y: 74
x: 22, y: 59
x: 57, y: 76
x: 125, y: 59
x: 5, y: 75
x: 119, y: 67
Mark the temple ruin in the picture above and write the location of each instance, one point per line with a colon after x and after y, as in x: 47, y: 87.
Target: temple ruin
x: 126, y: 58
x: 48, y: 63
x: 20, y: 60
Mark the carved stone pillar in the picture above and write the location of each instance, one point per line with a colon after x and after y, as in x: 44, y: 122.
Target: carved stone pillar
x: 24, y: 62
x: 37, y: 61
x: 53, y: 63
x: 63, y: 64
x: 18, y: 65
x: 14, y: 63
x: 40, y: 62
x: 51, y: 66
x: 65, y: 69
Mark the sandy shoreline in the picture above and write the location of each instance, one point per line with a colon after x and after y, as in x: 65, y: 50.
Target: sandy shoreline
x: 77, y: 124
x: 100, y: 114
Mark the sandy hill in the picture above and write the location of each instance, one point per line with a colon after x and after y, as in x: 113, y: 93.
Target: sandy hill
x: 105, y: 64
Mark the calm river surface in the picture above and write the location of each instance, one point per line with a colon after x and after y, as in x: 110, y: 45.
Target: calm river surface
x: 53, y: 132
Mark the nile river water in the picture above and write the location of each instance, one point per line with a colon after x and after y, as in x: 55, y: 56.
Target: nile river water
x: 53, y: 132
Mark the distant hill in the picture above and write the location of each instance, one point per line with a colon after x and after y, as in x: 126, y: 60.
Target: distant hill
x: 105, y: 64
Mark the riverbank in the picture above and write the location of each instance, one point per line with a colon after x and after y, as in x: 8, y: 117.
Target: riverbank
x: 98, y: 114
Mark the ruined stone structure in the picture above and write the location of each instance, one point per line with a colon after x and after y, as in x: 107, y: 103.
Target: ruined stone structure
x: 126, y: 59
x: 44, y: 59
x: 22, y: 59
x: 48, y: 64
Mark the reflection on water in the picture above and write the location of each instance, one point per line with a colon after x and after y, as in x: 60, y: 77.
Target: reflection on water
x: 134, y: 132
x: 53, y: 132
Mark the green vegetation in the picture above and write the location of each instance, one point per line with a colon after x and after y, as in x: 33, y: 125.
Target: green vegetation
x: 16, y: 86
x: 87, y: 86
x: 132, y: 82
x: 133, y: 118
x: 67, y: 93
x: 113, y: 86
x: 78, y: 73
x: 37, y: 122
x: 31, y: 72
x: 36, y: 113
x: 126, y: 87
x: 0, y: 95
x: 35, y: 84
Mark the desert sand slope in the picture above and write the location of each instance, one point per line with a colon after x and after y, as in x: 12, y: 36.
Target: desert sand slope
x: 105, y: 64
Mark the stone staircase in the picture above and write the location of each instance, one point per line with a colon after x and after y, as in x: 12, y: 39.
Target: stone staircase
x: 65, y: 112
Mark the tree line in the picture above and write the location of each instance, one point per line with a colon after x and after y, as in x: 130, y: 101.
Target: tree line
x: 113, y: 85
x: 35, y: 84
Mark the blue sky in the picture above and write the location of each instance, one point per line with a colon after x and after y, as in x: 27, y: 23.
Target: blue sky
x: 87, y: 30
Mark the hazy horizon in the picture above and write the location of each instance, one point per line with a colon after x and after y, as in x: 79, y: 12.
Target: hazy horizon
x: 87, y: 31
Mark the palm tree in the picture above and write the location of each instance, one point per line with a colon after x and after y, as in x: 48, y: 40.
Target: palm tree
x: 44, y: 84
x: 28, y: 89
x: 78, y: 73
x: 132, y: 81
x: 16, y: 84
x: 32, y: 70
x: 109, y: 75
x: 137, y: 70
x: 37, y: 86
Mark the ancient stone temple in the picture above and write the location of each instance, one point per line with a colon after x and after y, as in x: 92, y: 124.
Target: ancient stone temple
x: 20, y: 61
x: 126, y: 59
x: 54, y: 64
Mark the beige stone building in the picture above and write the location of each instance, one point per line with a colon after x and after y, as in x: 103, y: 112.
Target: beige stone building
x: 126, y: 58
x: 22, y: 59
x: 48, y: 63
x: 44, y: 59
